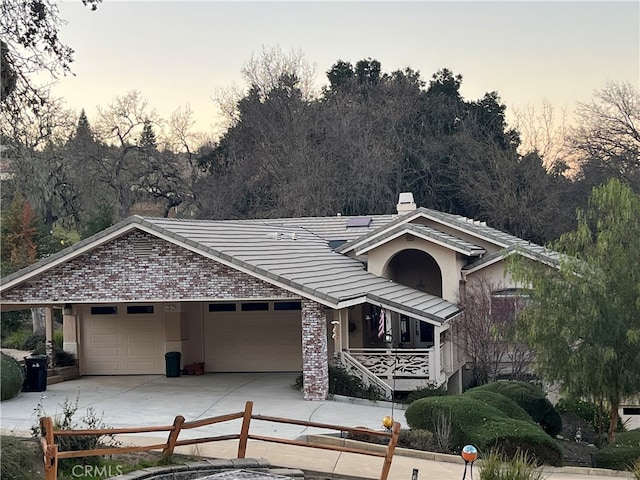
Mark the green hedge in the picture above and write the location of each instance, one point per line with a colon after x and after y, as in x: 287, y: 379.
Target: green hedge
x: 476, y: 422
x: 506, y: 405
x: 532, y: 399
x: 623, y: 453
x: 12, y: 377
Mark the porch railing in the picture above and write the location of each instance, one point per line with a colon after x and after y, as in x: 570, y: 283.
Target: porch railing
x: 354, y: 367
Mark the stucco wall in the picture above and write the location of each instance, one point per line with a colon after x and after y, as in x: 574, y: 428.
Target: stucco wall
x: 446, y: 259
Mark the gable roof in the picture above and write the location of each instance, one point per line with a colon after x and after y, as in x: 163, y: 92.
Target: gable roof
x: 508, y: 243
x: 292, y: 257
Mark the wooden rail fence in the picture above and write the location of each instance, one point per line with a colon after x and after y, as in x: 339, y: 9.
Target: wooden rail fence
x: 52, y: 455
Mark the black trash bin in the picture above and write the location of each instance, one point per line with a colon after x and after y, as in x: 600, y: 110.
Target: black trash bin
x: 172, y: 360
x: 36, y: 377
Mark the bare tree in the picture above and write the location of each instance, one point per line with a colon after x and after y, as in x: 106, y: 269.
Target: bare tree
x: 485, y: 331
x: 608, y: 131
x: 545, y: 132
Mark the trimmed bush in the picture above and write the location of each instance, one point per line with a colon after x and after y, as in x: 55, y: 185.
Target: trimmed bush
x: 506, y: 405
x: 12, y: 377
x: 426, y: 392
x: 623, y: 454
x: 485, y: 426
x: 532, y: 399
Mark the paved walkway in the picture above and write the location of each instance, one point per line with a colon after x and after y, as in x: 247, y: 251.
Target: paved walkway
x: 145, y: 400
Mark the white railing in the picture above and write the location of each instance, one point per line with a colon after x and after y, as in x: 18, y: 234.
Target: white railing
x: 354, y: 367
x: 398, y: 363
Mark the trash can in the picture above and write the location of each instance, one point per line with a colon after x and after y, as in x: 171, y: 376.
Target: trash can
x: 36, y: 377
x: 172, y: 360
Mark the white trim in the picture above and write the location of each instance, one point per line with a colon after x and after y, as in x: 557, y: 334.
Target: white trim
x: 418, y: 235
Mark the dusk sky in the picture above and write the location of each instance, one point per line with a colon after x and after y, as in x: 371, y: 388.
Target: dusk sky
x: 179, y: 53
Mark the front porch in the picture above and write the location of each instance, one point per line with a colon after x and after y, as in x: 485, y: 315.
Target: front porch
x: 397, y: 354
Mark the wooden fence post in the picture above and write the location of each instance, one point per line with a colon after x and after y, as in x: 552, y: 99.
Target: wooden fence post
x: 395, y: 432
x: 173, y: 436
x: 50, y: 450
x: 244, y: 432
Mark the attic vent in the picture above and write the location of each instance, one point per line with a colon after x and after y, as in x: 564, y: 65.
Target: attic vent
x: 142, y: 247
x: 281, y: 235
x: 359, y: 222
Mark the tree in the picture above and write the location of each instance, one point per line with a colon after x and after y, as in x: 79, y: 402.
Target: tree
x: 30, y: 44
x: 583, y: 319
x: 485, y: 331
x: 608, y: 132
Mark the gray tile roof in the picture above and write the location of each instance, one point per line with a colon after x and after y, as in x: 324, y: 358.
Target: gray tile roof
x: 302, y: 260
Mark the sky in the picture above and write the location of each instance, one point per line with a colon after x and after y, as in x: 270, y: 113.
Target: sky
x: 179, y: 53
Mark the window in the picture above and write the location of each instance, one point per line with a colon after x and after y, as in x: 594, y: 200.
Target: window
x: 104, y: 310
x: 631, y: 410
x: 359, y: 222
x: 139, y: 309
x: 287, y: 306
x: 254, y: 307
x: 222, y: 307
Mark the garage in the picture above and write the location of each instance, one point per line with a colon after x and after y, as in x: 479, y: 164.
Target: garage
x: 253, y: 337
x: 121, y: 340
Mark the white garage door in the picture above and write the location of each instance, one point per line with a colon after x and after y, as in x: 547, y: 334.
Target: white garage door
x: 265, y: 341
x: 119, y: 343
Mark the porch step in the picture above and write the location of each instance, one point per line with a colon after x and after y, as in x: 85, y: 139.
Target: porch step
x: 53, y: 379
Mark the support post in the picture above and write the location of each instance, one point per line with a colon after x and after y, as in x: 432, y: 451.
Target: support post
x: 173, y: 437
x: 395, y: 432
x: 244, y: 431
x: 50, y: 450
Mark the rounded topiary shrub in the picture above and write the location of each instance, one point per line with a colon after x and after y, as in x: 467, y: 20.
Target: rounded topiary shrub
x: 506, y: 405
x: 12, y: 377
x: 473, y: 421
x: 623, y: 454
x: 532, y: 399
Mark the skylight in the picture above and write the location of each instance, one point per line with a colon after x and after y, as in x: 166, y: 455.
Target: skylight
x: 359, y: 222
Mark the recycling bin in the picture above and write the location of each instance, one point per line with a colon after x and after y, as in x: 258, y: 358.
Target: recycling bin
x: 36, y: 377
x: 172, y: 361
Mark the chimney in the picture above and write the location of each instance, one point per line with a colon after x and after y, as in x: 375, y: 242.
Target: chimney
x: 406, y: 203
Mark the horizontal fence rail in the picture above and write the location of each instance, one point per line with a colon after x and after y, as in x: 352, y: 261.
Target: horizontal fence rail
x: 52, y: 454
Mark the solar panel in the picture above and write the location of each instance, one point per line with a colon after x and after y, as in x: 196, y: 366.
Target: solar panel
x: 359, y: 222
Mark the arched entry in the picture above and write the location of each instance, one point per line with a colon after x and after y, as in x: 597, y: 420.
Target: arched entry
x: 416, y: 269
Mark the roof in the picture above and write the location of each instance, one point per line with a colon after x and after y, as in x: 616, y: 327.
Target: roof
x: 293, y: 257
x: 507, y: 243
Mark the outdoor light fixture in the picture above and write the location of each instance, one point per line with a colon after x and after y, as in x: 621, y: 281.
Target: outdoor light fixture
x: 67, y: 309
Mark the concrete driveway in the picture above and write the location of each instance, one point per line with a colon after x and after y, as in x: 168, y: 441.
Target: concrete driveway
x: 145, y: 400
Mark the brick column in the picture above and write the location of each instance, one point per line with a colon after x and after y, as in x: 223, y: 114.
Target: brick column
x: 315, y: 368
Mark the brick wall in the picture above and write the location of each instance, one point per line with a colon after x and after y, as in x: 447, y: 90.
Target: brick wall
x: 314, y: 351
x: 115, y: 272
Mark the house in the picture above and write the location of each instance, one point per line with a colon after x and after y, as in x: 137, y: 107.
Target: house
x: 376, y: 293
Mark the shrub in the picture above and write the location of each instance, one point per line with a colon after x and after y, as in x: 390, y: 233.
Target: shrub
x: 58, y: 340
x: 532, y: 399
x: 485, y: 426
x: 596, y: 415
x: 416, y: 439
x: 32, y: 342
x: 12, y: 376
x: 11, y: 322
x: 623, y: 453
x: 423, y: 392
x: 506, y: 405
x: 498, y: 467
x: 343, y: 383
x: 18, y: 458
x: 90, y: 421
x: 16, y: 339
x: 64, y: 359
x: 636, y: 470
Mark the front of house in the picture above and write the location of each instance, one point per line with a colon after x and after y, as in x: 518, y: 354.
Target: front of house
x: 375, y: 293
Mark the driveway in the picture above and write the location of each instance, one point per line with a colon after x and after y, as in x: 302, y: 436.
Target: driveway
x: 146, y: 400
